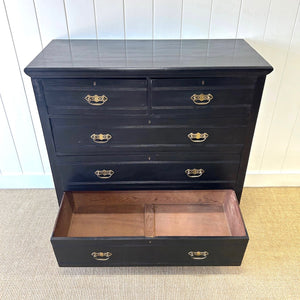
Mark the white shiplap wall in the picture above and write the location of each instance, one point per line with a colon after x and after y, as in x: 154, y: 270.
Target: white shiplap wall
x: 270, y: 26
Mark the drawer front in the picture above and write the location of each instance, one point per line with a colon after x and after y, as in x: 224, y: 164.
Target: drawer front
x: 149, y: 228
x: 81, y: 252
x: 94, y: 136
x: 219, y: 96
x: 69, y: 96
x: 232, y: 100
x: 106, y: 173
x: 214, y: 251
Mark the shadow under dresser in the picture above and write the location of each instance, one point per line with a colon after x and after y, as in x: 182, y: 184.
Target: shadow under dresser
x: 148, y: 142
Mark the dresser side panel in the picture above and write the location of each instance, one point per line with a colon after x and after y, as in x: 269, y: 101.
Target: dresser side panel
x: 247, y: 145
x: 42, y: 109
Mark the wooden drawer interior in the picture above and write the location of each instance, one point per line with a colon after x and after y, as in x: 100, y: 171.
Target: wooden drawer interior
x: 149, y: 214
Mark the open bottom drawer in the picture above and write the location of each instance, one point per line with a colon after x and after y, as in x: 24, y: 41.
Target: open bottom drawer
x: 136, y: 228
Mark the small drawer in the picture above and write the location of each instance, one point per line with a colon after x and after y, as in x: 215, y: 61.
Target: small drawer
x: 215, y: 96
x: 144, y: 228
x: 69, y: 96
x: 200, y: 98
x: 102, y: 173
x: 93, y: 136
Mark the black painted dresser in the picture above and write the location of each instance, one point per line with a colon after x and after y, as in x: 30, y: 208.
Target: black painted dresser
x: 148, y: 142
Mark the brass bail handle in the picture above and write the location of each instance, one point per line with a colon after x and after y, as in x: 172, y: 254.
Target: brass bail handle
x: 202, y: 99
x: 104, y: 174
x: 198, y: 137
x: 102, y: 256
x: 95, y: 99
x: 198, y: 255
x: 194, y: 173
x: 101, y: 138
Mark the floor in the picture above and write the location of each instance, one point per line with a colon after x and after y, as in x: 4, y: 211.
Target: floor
x: 270, y: 270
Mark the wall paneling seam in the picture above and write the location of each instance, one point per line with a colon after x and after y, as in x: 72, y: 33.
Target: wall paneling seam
x: 12, y: 137
x: 124, y: 20
x: 95, y: 19
x: 298, y: 113
x: 153, y: 19
x: 23, y: 85
x: 181, y: 19
x: 267, y: 20
x: 239, y: 18
x: 66, y: 17
x: 211, y: 8
x: 37, y: 22
x: 278, y: 92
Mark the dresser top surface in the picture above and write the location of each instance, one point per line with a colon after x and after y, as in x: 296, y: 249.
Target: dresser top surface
x: 72, y: 55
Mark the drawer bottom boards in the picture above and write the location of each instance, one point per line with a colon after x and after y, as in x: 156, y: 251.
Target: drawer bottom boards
x: 148, y: 228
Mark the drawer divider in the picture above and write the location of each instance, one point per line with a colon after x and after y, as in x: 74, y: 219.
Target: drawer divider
x: 149, y: 220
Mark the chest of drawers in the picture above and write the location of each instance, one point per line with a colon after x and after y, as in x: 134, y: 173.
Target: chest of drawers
x: 148, y: 143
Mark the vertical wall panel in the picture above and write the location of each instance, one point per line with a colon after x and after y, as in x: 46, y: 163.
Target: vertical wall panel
x: 196, y: 19
x: 167, y: 19
x: 253, y: 19
x: 138, y: 19
x: 15, y: 101
x: 292, y: 158
x: 110, y: 19
x: 252, y: 25
x: 81, y: 19
x: 224, y: 19
x: 22, y: 18
x: 51, y: 19
x: 287, y: 105
x: 9, y: 161
x: 276, y: 44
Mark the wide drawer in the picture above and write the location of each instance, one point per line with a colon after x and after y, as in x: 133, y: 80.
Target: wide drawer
x: 92, y: 136
x: 69, y: 96
x: 136, y: 228
x: 108, y: 172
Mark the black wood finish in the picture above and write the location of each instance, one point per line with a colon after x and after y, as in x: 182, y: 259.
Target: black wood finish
x: 146, y: 185
x: 76, y: 252
x: 40, y: 101
x: 251, y: 127
x: 76, y: 136
x: 68, y: 96
x: 148, y: 87
x: 146, y: 57
x: 149, y: 171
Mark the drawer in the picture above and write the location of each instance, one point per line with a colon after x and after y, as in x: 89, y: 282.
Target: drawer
x: 69, y: 96
x: 218, y: 96
x: 103, y: 173
x: 117, y: 228
x: 93, y: 136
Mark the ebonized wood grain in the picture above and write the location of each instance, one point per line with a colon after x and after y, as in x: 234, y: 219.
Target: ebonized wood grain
x: 147, y: 56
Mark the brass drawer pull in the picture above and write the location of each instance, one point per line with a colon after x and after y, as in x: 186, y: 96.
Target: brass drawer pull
x: 96, y: 99
x: 104, y: 174
x: 202, y: 99
x: 194, y: 173
x: 103, y: 256
x: 198, y: 254
x: 198, y: 137
x: 101, y: 138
